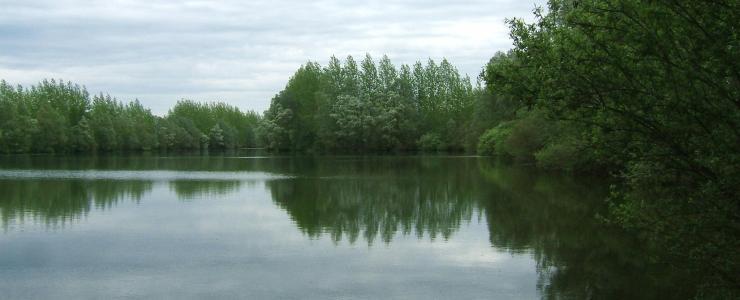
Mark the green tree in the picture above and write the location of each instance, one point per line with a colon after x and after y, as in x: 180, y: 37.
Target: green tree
x: 373, y: 107
x: 82, y: 138
x: 216, y: 138
x: 51, y: 135
x: 653, y: 87
x: 58, y: 117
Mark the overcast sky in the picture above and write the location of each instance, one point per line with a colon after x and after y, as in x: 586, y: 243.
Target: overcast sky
x: 240, y: 52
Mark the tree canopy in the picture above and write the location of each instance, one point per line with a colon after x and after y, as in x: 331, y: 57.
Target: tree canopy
x: 371, y: 106
x: 55, y: 116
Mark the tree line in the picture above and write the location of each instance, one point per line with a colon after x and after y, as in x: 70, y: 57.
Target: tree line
x: 55, y: 116
x: 372, y: 106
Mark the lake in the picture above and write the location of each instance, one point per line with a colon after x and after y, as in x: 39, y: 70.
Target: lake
x: 242, y: 225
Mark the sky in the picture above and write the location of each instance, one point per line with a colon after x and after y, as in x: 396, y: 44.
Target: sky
x: 235, y: 51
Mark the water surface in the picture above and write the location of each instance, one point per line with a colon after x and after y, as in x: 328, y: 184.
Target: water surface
x: 230, y: 226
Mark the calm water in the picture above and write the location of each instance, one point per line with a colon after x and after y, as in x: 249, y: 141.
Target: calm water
x: 234, y: 226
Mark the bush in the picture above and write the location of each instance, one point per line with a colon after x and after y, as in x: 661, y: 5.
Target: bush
x: 560, y: 155
x: 430, y: 142
x: 492, y: 141
x: 528, y: 135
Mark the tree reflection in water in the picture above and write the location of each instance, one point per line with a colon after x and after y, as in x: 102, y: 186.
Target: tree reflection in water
x: 550, y: 217
x: 58, y: 201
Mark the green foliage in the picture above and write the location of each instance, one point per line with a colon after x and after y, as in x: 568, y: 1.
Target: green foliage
x: 17, y: 133
x: 370, y: 107
x: 104, y: 110
x: 198, y: 119
x: 61, y: 117
x: 519, y: 138
x: 82, y: 137
x: 273, y: 129
x: 650, y: 90
x: 492, y: 141
x: 527, y: 135
x: 51, y: 134
x: 430, y: 142
x: 565, y: 155
x: 216, y: 137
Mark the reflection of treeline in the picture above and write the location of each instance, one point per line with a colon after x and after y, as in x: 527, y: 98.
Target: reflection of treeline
x: 577, y: 256
x: 379, y: 197
x: 190, y: 189
x: 195, y: 162
x: 61, y: 117
x: 242, y: 161
x: 59, y: 201
x: 527, y: 211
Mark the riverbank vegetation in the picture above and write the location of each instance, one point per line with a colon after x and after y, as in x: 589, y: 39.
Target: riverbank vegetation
x: 59, y: 117
x: 650, y: 91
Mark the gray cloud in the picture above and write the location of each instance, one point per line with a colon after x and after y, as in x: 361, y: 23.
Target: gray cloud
x: 241, y: 52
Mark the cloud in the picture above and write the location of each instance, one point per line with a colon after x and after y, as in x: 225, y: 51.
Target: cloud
x: 241, y: 52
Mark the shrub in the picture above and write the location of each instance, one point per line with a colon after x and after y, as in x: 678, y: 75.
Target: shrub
x: 560, y: 155
x: 528, y: 135
x: 492, y: 141
x: 430, y: 142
